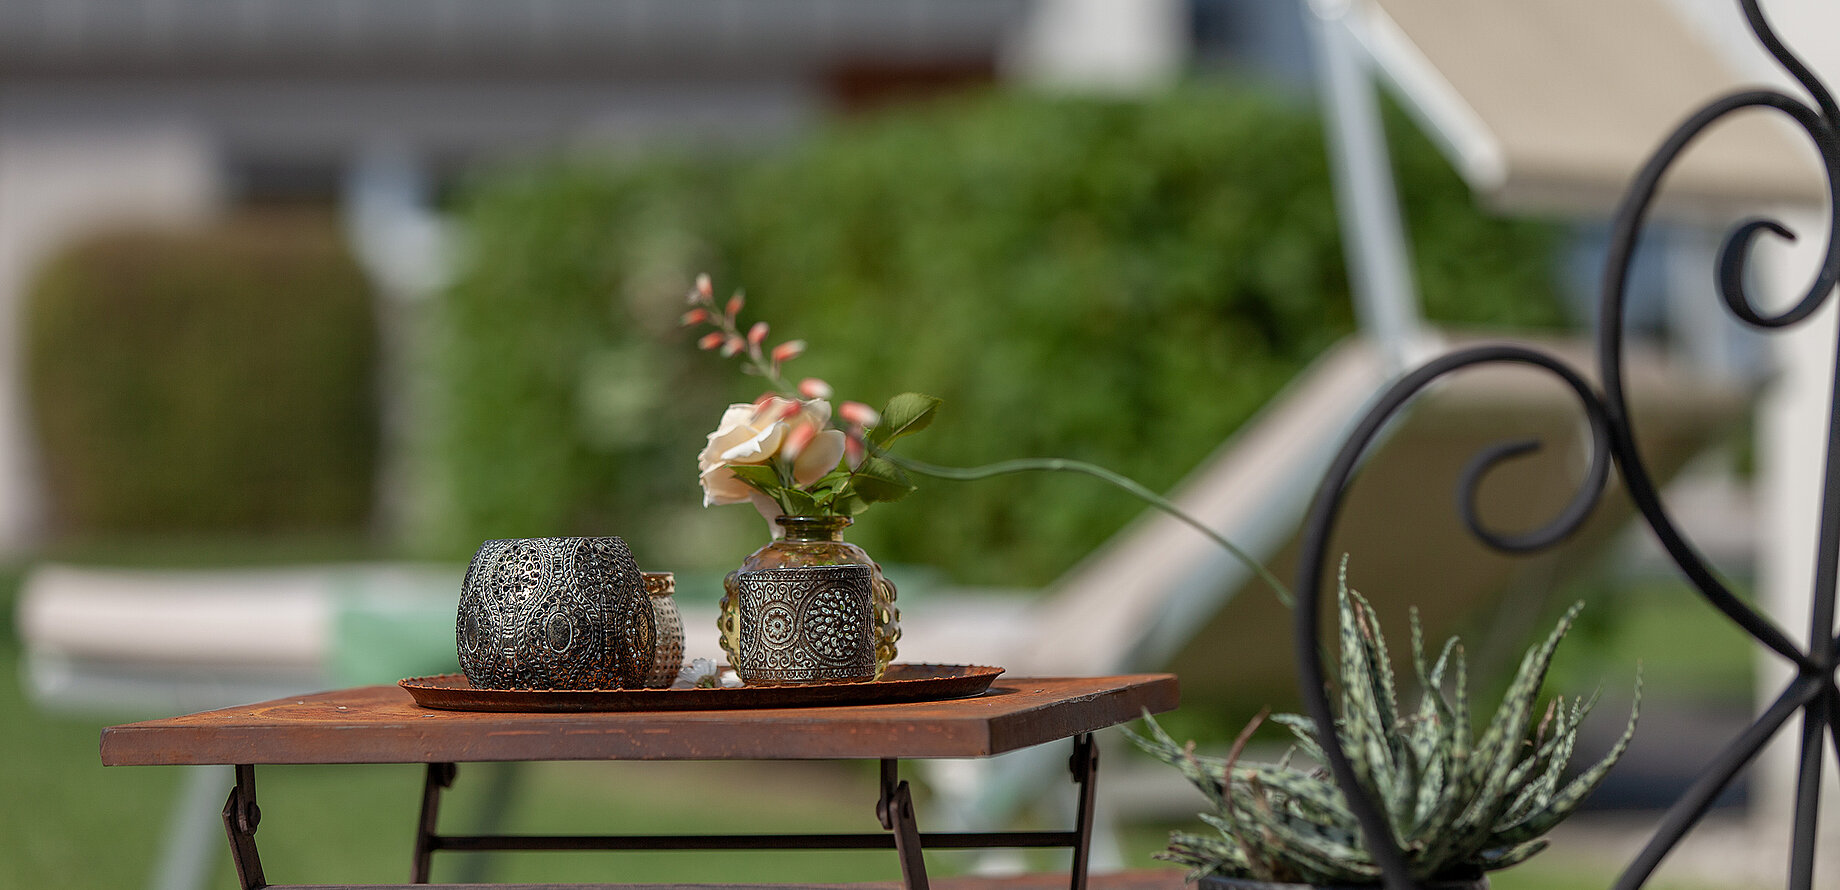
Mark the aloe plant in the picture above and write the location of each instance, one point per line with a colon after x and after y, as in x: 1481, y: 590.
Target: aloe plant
x: 1457, y: 804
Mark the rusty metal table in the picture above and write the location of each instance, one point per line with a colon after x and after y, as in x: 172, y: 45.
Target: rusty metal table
x: 382, y: 724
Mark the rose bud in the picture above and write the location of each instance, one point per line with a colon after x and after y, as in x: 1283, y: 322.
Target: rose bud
x: 732, y: 345
x: 859, y: 413
x: 788, y: 350
x: 758, y: 333
x: 704, y: 287
x: 695, y: 316
x: 775, y: 408
x: 710, y: 340
x: 813, y: 388
x: 796, y: 440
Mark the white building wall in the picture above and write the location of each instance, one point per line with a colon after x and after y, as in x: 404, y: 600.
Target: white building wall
x: 1114, y: 46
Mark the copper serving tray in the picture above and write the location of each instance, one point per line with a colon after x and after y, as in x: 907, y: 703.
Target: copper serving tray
x: 899, y: 683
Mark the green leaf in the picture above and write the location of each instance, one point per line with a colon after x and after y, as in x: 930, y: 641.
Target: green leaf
x: 798, y: 503
x: 909, y: 412
x: 830, y: 488
x: 830, y: 481
x: 760, y: 476
x: 877, y: 480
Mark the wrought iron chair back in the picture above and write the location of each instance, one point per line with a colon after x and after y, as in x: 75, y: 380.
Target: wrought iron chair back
x: 1812, y: 691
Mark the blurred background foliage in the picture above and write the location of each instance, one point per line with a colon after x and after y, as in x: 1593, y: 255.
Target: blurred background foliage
x: 1123, y: 282
x: 217, y: 380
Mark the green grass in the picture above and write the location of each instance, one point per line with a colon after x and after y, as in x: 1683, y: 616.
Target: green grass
x: 1551, y: 870
x: 1686, y: 648
x: 68, y: 821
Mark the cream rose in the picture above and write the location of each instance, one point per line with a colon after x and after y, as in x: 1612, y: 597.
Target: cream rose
x: 755, y: 433
x: 743, y: 432
x: 818, y: 457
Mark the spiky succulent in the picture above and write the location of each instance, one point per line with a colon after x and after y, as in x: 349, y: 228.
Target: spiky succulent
x: 1457, y: 804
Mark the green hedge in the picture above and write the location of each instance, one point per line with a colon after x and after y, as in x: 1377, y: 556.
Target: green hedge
x: 1121, y: 282
x: 207, y: 381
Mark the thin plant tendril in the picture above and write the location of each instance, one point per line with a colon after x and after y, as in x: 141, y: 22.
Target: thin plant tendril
x: 1062, y: 465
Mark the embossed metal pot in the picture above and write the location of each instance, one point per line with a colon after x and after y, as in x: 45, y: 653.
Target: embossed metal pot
x: 805, y: 625
x: 555, y: 613
x: 668, y: 651
x: 813, y: 541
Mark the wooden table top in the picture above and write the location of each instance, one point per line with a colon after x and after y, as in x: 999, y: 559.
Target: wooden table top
x: 382, y: 724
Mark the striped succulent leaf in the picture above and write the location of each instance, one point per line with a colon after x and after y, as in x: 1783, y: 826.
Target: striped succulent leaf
x: 1553, y: 754
x: 1304, y: 729
x: 1455, y: 802
x: 1499, y: 751
x: 1370, y: 716
x: 1567, y: 800
x: 1204, y: 854
x: 1430, y: 792
x: 1502, y: 857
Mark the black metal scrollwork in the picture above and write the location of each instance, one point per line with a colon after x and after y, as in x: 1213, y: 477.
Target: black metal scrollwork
x: 1813, y: 691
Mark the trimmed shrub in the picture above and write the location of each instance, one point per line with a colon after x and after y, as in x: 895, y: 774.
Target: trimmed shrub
x: 1121, y: 282
x: 209, y: 381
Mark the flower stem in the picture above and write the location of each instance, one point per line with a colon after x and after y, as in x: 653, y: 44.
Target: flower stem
x: 753, y: 359
x: 1055, y: 464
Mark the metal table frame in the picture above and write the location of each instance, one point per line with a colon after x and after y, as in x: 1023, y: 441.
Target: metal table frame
x: 894, y: 808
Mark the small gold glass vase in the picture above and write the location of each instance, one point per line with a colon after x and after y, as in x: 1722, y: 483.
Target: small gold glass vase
x: 669, y: 623
x: 812, y: 541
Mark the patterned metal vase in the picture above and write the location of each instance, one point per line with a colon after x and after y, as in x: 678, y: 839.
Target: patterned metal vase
x: 810, y: 541
x: 806, y: 625
x: 555, y: 613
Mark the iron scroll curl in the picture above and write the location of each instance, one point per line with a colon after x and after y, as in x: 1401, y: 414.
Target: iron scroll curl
x: 1326, y: 506
x: 1813, y: 691
x: 1734, y: 254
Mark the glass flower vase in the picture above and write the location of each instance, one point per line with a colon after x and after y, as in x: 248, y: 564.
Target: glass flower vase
x: 813, y: 541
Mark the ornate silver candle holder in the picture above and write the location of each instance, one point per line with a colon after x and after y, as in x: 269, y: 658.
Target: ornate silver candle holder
x: 555, y: 613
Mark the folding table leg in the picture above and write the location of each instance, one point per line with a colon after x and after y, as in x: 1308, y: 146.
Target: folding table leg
x: 1085, y: 767
x: 241, y: 816
x: 896, y: 810
x: 440, y: 775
